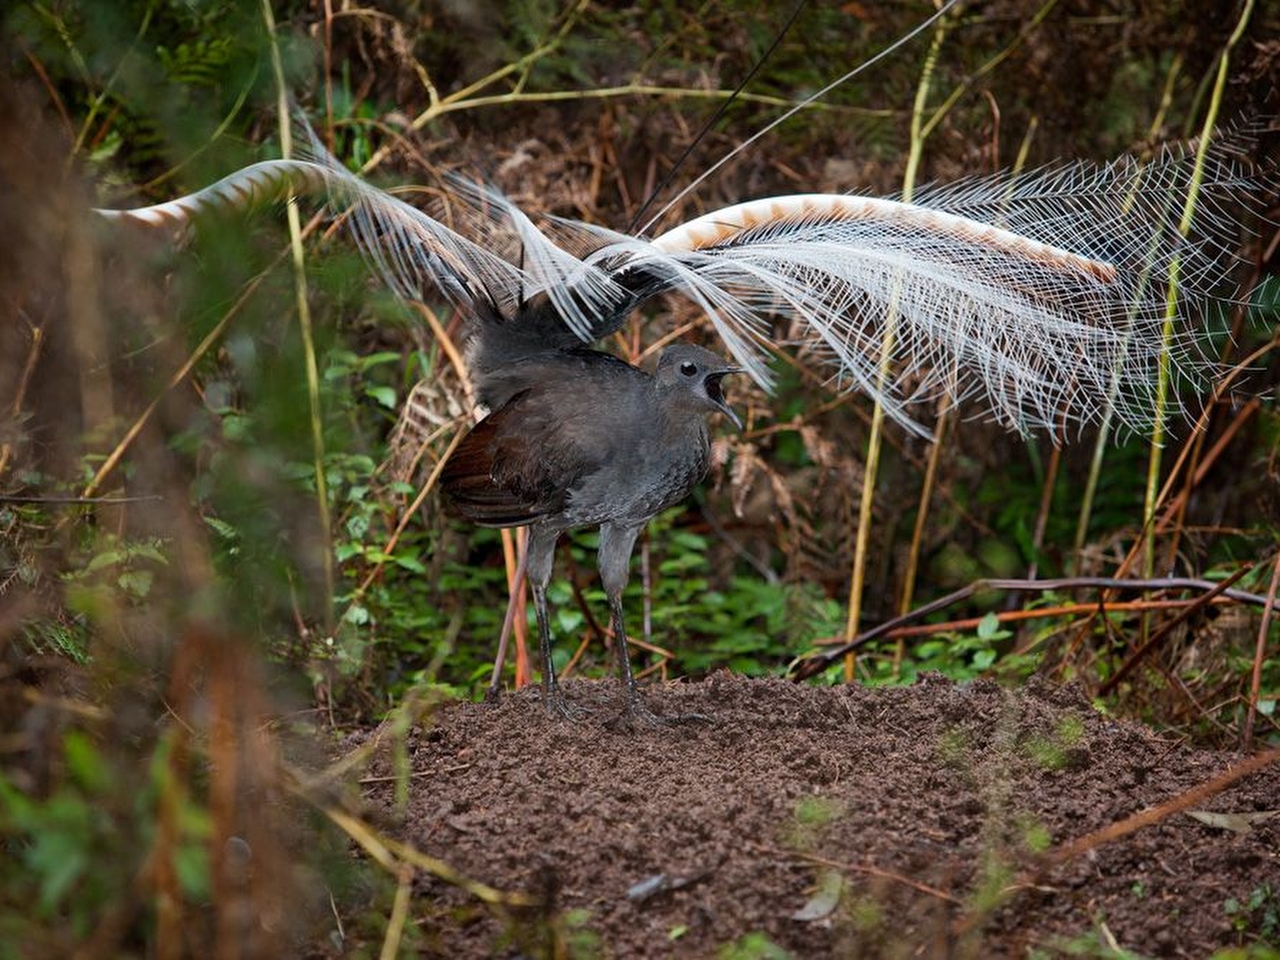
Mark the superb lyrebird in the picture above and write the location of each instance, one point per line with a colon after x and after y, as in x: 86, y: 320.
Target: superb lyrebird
x: 1041, y: 297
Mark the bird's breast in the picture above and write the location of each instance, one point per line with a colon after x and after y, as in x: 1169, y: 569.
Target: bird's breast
x: 642, y: 481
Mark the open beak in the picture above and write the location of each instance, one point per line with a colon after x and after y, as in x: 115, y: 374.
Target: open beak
x: 716, y: 392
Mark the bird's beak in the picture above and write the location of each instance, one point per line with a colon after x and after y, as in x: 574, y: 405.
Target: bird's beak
x: 716, y: 393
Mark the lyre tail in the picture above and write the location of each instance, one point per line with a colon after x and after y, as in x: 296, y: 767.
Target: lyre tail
x: 259, y: 184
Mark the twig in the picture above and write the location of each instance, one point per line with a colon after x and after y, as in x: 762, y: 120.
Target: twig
x: 809, y: 666
x: 862, y: 536
x: 1259, y: 655
x: 304, y: 325
x: 1031, y: 613
x: 862, y: 868
x: 1144, y: 818
x: 405, y: 517
x: 1134, y: 658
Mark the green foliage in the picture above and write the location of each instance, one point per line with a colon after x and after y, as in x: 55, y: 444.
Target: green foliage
x: 750, y: 624
x: 753, y: 946
x: 1256, y: 916
x: 78, y: 848
x: 1054, y: 752
x: 575, y: 938
x: 812, y: 816
x: 152, y: 80
x: 169, y: 94
x: 958, y: 655
x: 114, y: 567
x: 1090, y: 945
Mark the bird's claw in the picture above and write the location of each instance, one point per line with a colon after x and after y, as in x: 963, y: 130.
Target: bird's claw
x: 558, y: 708
x: 636, y: 713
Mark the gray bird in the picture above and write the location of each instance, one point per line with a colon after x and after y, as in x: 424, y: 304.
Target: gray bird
x: 584, y: 439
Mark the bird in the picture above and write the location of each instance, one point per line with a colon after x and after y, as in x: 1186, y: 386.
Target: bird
x: 1039, y: 298
x: 585, y: 439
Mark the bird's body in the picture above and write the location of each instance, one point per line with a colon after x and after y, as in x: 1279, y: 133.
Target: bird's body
x: 567, y: 449
x: 584, y: 439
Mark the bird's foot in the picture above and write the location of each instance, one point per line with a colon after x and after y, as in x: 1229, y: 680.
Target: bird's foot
x: 636, y: 713
x: 493, y: 694
x: 558, y: 708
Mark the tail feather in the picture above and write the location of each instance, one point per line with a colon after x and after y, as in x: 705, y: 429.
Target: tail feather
x: 1042, y: 297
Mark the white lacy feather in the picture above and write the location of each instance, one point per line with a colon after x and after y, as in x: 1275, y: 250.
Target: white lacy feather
x: 1041, y: 297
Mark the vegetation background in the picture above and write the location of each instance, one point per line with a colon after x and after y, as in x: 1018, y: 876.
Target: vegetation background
x: 215, y: 553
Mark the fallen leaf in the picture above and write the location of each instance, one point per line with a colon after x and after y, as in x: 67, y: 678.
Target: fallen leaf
x: 825, y: 898
x: 1235, y: 822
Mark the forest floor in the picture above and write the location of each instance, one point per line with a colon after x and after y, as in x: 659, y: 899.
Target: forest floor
x: 929, y: 820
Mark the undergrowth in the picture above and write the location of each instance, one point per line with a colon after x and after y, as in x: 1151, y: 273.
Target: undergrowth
x: 172, y: 638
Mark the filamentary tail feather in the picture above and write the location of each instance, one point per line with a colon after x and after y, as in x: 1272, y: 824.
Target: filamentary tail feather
x: 1040, y: 298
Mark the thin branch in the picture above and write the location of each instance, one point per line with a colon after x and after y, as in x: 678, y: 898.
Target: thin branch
x: 1259, y: 655
x: 807, y: 667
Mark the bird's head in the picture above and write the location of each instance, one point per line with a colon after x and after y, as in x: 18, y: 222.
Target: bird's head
x: 692, y: 372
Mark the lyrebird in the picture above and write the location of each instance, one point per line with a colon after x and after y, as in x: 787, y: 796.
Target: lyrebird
x: 1041, y: 298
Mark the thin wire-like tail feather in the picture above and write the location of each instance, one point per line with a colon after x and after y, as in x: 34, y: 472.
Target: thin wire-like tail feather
x: 1041, y: 296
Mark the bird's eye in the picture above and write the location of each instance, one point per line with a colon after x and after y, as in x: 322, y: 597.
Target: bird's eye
x: 688, y: 368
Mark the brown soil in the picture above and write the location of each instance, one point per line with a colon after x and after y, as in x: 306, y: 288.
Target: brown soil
x: 835, y: 822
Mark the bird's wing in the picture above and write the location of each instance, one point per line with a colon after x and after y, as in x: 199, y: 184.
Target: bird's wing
x: 521, y: 462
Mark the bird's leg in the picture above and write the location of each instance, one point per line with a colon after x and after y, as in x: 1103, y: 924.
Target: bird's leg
x: 616, y: 543
x: 541, y: 552
x: 634, y: 709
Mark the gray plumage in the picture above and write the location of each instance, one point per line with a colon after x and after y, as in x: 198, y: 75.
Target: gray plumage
x: 580, y: 438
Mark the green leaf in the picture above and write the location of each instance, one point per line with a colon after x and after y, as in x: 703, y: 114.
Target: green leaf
x: 136, y: 582
x: 107, y: 558
x: 59, y: 858
x: 412, y: 564
x: 386, y: 396
x: 989, y: 627
x: 191, y: 864
x: 84, y: 761
x: 223, y: 529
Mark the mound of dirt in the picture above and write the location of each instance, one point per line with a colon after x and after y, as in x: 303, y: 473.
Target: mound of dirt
x: 827, y: 822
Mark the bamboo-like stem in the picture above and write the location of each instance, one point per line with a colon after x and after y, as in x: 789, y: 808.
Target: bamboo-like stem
x: 1259, y: 656
x: 935, y: 454
x: 1103, y: 438
x: 1183, y: 463
x: 922, y: 512
x: 304, y: 325
x: 399, y: 913
x: 875, y: 441
x: 1171, y: 303
x: 967, y: 84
